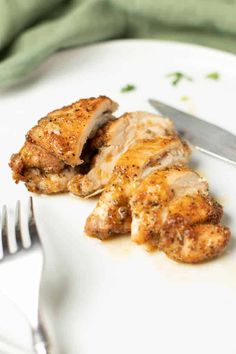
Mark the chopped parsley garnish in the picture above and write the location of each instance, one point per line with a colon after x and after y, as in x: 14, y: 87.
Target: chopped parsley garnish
x: 128, y: 88
x: 184, y: 98
x: 213, y: 76
x: 177, y: 76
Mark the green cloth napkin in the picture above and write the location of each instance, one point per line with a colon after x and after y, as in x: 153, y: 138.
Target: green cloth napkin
x: 31, y: 30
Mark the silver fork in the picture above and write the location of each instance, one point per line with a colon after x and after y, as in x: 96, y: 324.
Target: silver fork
x: 29, y: 261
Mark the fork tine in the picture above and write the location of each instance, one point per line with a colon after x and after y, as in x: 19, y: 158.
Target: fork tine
x: 33, y: 231
x: 18, y: 228
x: 5, y: 233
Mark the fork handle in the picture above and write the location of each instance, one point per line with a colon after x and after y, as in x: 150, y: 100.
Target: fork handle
x: 40, y: 342
x: 41, y: 348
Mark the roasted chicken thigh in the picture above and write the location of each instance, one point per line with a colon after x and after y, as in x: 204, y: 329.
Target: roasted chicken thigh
x: 65, y: 131
x: 111, y: 142
x: 54, y: 147
x: 112, y: 214
x: 138, y: 164
x: 173, y: 211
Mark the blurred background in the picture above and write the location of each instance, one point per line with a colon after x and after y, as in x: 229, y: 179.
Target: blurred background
x: 32, y: 30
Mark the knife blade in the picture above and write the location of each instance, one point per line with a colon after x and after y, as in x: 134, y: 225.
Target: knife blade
x: 206, y: 137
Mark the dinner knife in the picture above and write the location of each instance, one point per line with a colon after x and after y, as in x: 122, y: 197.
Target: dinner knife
x: 206, y: 137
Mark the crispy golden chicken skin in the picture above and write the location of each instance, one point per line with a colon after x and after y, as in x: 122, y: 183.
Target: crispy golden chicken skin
x: 194, y: 244
x: 54, y: 146
x: 40, y: 182
x: 172, y: 211
x: 33, y: 156
x: 112, y: 214
x: 42, y: 172
x: 65, y: 131
x: 111, y: 141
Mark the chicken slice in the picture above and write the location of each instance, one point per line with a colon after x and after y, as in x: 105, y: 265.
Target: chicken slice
x: 112, y: 214
x: 58, y: 139
x: 111, y: 141
x: 65, y: 131
x: 42, y: 172
x: 33, y: 156
x: 194, y: 243
x: 155, y: 192
x: 40, y: 182
x: 173, y: 212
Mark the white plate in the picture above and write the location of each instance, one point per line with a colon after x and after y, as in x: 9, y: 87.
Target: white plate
x: 15, y: 331
x: 114, y: 297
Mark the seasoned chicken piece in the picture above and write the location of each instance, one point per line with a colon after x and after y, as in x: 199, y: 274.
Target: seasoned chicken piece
x: 56, y: 144
x: 155, y: 192
x: 42, y: 172
x: 33, y: 156
x: 112, y: 214
x: 65, y: 131
x: 173, y: 211
x: 194, y: 243
x: 113, y: 140
x: 48, y: 183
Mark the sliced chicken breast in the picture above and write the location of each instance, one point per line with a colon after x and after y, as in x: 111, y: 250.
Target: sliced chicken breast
x: 112, y: 214
x: 65, y: 131
x: 172, y: 211
x: 111, y: 142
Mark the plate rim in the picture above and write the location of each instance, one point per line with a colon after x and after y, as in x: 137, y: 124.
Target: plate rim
x: 188, y: 45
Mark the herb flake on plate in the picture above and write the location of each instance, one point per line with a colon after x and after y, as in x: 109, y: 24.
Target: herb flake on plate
x: 184, y: 98
x: 213, y: 76
x: 128, y: 88
x: 177, y: 76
